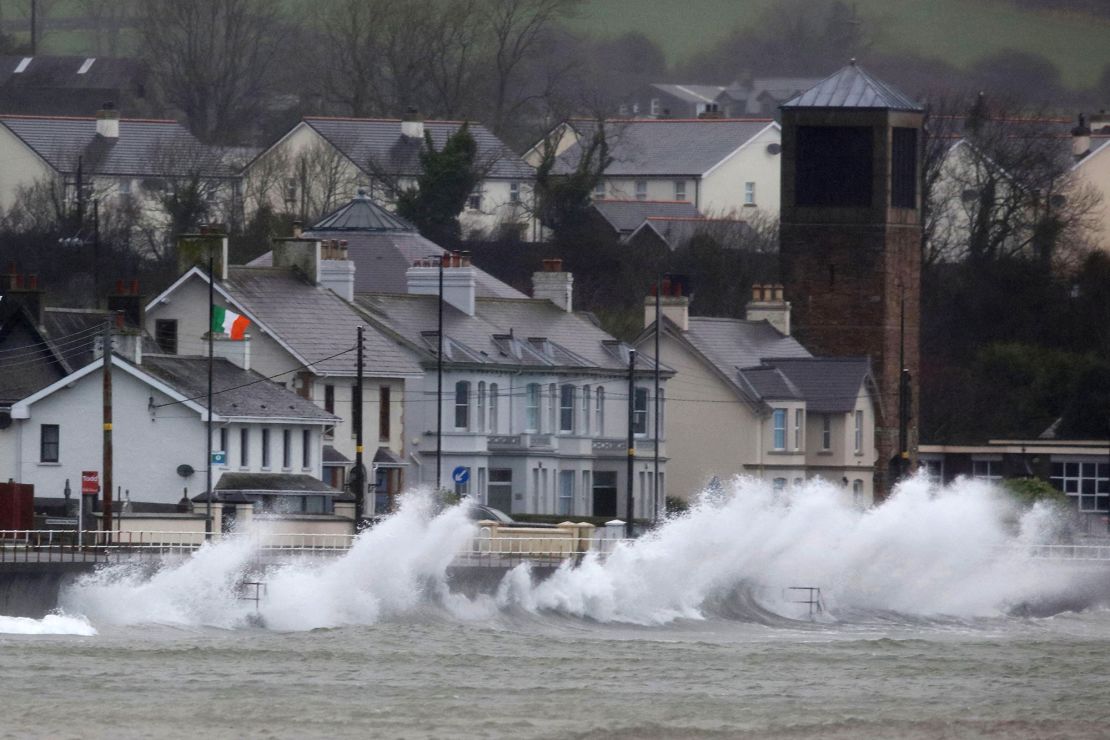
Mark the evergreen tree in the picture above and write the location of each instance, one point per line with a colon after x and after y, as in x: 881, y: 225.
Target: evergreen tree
x: 447, y: 178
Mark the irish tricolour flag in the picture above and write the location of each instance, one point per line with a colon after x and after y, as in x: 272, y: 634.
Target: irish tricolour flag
x: 228, y: 322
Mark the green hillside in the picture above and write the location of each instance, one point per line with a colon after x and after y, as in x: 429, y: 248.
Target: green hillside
x: 958, y: 31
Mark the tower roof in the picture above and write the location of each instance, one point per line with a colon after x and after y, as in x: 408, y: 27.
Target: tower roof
x: 362, y: 214
x: 852, y: 87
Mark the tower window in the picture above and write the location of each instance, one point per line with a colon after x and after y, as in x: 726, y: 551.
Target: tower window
x: 903, y: 168
x: 833, y: 166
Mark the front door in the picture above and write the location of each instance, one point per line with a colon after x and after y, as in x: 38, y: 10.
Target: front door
x: 499, y: 492
x: 605, y: 494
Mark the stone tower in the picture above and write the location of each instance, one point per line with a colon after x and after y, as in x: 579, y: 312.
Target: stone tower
x: 850, y: 240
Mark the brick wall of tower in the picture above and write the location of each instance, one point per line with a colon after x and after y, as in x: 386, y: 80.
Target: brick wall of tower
x: 846, y: 270
x: 845, y: 284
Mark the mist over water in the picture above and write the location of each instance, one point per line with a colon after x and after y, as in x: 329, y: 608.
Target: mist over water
x: 957, y: 551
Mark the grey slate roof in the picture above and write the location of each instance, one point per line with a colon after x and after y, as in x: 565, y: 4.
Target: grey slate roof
x: 236, y: 392
x: 507, y: 332
x: 315, y: 322
x: 852, y: 87
x: 735, y: 343
x: 63, y: 72
x: 383, y: 247
x: 828, y: 384
x: 625, y: 216
x: 362, y: 214
x: 690, y: 93
x: 664, y: 147
x: 676, y: 232
x: 379, y: 140
x: 282, y: 483
x: 28, y: 362
x: 770, y: 384
x: 145, y: 148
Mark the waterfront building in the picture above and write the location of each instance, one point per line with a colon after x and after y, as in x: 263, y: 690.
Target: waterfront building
x: 748, y: 399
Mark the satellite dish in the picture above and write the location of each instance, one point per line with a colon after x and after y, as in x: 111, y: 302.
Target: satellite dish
x: 5, y: 420
x: 185, y: 470
x: 774, y: 148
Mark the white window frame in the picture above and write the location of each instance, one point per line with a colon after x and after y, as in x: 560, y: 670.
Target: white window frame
x: 859, y: 432
x: 640, y: 416
x: 514, y: 192
x: 749, y: 193
x: 567, y: 408
x: 987, y: 468
x: 587, y: 399
x: 493, y: 420
x: 481, y: 411
x: 826, y: 432
x: 599, y: 411
x: 552, y: 407
x: 464, y: 407
x: 778, y: 429
x: 641, y: 189
x: 799, y: 425
x: 1085, y: 479
x: 599, y: 190
x: 680, y: 190
x: 532, y: 416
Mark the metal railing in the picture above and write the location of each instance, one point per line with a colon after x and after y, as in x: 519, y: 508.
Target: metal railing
x: 63, y: 546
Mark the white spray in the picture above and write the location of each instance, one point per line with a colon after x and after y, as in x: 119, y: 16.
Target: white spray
x: 926, y: 551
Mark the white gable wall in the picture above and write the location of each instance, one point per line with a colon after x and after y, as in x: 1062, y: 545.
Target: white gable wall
x: 722, y: 188
x: 20, y: 168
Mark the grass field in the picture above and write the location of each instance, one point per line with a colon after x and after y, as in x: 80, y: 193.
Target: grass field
x: 958, y: 31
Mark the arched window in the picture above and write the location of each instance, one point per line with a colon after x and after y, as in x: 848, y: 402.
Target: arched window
x: 857, y: 492
x: 587, y: 398
x: 599, y: 410
x: 492, y: 426
x: 552, y: 407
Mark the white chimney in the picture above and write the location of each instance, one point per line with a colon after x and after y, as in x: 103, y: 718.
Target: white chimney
x: 235, y: 351
x: 554, y: 284
x: 107, y: 122
x: 337, y: 271
x: 412, y: 125
x: 768, y: 305
x: 460, y: 280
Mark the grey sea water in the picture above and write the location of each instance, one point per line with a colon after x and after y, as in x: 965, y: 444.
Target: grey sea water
x: 939, y: 623
x: 535, y: 677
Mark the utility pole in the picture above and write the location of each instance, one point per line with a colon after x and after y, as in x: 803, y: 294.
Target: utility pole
x: 360, y: 467
x: 903, y: 392
x: 658, y: 322
x: 96, y: 251
x: 107, y: 394
x: 629, y: 503
x: 208, y: 426
x: 439, y: 384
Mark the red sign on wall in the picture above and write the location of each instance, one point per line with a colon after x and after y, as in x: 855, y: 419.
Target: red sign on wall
x: 90, y: 481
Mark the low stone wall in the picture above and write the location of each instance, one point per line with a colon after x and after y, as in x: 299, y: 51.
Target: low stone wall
x: 563, y: 540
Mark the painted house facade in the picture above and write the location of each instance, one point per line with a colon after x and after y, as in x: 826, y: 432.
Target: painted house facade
x: 720, y: 166
x: 535, y: 397
x: 321, y: 163
x: 748, y: 399
x: 159, y: 427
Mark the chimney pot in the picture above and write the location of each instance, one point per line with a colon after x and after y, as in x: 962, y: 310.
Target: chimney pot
x: 32, y: 282
x: 134, y: 287
x: 297, y: 229
x: 107, y: 122
x: 119, y: 287
x: 18, y: 281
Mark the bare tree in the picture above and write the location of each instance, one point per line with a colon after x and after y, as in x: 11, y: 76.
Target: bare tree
x: 212, y: 59
x: 516, y: 28
x: 999, y: 183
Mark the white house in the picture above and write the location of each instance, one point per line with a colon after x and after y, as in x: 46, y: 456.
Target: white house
x: 721, y: 166
x: 159, y: 416
x: 747, y: 398
x: 119, y: 161
x: 535, y: 396
x: 322, y: 162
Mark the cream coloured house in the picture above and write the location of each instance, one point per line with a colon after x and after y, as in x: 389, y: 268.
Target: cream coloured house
x: 1093, y: 170
x: 748, y: 399
x: 721, y: 166
x: 322, y: 162
x: 120, y: 162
